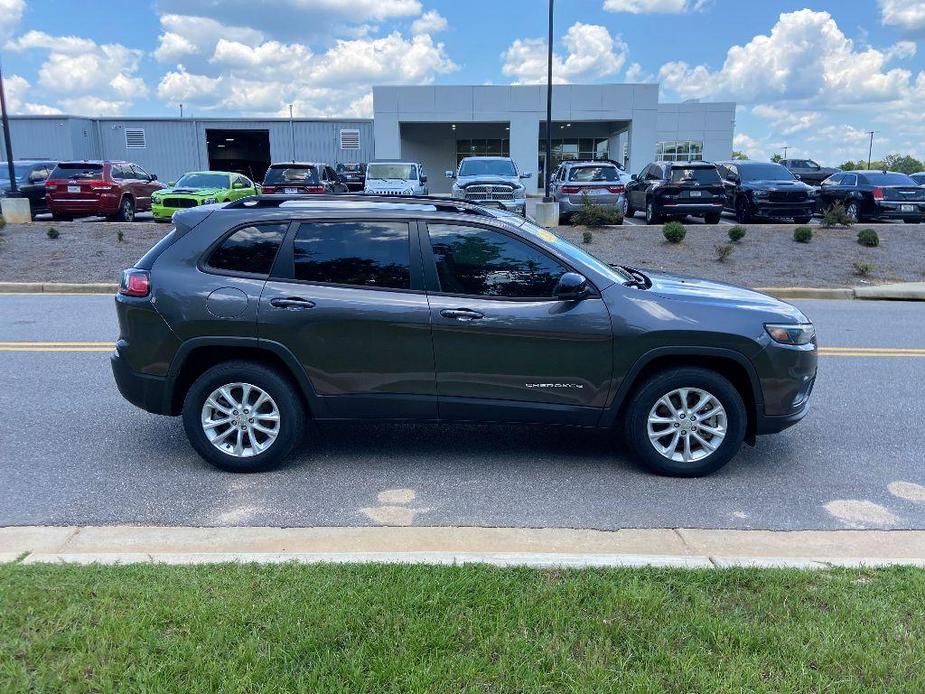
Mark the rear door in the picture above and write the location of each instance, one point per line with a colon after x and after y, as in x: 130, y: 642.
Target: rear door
x: 347, y: 298
x: 505, y: 348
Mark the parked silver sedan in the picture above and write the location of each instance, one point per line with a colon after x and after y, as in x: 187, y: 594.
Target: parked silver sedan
x: 602, y: 183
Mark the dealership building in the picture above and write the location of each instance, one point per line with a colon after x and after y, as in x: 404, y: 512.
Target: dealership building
x: 435, y: 125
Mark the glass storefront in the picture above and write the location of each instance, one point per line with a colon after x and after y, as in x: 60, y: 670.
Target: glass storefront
x: 571, y: 148
x: 482, y: 148
x: 679, y: 150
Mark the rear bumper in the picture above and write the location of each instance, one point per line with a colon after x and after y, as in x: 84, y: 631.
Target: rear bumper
x: 691, y: 208
x: 894, y: 210
x: 150, y: 393
x: 573, y: 203
x: 104, y: 205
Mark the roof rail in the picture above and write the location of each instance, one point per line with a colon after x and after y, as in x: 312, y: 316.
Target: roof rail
x: 445, y: 204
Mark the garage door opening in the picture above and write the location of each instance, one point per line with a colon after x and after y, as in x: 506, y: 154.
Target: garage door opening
x: 242, y: 151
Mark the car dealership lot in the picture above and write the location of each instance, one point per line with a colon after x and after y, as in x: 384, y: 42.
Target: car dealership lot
x: 76, y: 453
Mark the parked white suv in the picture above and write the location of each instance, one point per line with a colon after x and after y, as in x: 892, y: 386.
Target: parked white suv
x: 481, y: 179
x: 395, y: 178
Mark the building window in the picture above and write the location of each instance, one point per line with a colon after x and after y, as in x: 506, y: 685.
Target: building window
x: 482, y: 147
x: 135, y: 138
x: 679, y: 150
x: 349, y: 139
x: 571, y: 148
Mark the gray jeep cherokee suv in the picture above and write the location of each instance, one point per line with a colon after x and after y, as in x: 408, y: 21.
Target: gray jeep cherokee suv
x: 250, y: 317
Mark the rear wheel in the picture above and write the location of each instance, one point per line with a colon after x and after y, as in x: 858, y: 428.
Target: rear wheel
x: 712, y: 218
x: 126, y: 211
x: 652, y: 214
x: 243, y: 416
x: 853, y: 212
x: 686, y: 422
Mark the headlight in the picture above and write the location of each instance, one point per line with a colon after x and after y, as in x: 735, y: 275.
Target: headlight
x: 208, y: 201
x: 761, y: 194
x: 520, y: 193
x: 792, y: 334
x: 458, y: 192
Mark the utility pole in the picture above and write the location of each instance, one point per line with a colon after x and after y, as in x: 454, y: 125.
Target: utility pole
x: 785, y: 150
x: 14, y: 191
x: 291, y: 134
x: 548, y: 164
x: 181, y: 110
x: 870, y: 151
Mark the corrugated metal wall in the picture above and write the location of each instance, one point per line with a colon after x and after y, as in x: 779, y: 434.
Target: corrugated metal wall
x: 175, y: 146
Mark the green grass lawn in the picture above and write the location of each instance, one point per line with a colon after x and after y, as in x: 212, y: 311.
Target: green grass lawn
x: 251, y: 628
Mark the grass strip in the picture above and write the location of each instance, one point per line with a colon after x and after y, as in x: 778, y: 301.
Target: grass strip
x: 381, y: 628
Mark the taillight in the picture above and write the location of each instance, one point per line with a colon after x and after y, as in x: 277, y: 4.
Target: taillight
x: 135, y: 282
x: 269, y: 189
x: 571, y: 190
x: 878, y: 193
x: 615, y: 189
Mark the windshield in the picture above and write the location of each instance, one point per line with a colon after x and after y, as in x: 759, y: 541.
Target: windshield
x: 203, y: 180
x: 77, y: 170
x: 487, y: 167
x: 889, y: 179
x: 700, y: 174
x: 594, y: 173
x: 352, y: 167
x: 765, y: 172
x: 404, y: 172
x: 291, y: 174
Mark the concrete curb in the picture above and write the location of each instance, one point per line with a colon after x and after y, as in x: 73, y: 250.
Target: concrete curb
x: 58, y: 288
x: 808, y: 292
x: 534, y: 547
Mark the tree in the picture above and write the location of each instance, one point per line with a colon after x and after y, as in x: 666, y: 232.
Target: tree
x: 777, y: 158
x: 903, y: 163
x: 739, y: 155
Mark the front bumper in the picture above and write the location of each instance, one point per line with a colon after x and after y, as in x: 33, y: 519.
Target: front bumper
x: 164, y: 213
x: 787, y: 375
x: 783, y: 210
x: 150, y: 393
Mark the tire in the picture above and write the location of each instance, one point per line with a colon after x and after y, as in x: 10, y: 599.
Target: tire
x: 565, y: 219
x: 283, y: 399
x: 627, y: 210
x: 126, y: 211
x: 647, y: 398
x: 652, y: 215
x: 853, y: 211
x: 743, y: 216
x: 712, y: 218
x: 802, y: 220
x: 913, y: 221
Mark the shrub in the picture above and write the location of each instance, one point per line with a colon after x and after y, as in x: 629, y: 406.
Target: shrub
x: 836, y: 216
x: 2, y: 221
x: 736, y: 233
x: 863, y: 269
x: 586, y: 237
x: 674, y: 232
x: 803, y: 234
x: 868, y: 237
x: 120, y: 236
x: 52, y: 233
x: 723, y: 251
x: 591, y: 215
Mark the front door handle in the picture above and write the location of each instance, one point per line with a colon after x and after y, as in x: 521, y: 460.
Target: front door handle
x: 463, y: 314
x: 292, y: 302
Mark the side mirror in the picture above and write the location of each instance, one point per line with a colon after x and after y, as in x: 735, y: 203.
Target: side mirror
x: 798, y: 177
x: 451, y: 174
x: 527, y: 174
x: 423, y: 179
x: 172, y: 184
x: 571, y: 287
x: 634, y: 177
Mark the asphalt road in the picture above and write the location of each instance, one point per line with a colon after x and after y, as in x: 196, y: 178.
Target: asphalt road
x: 73, y: 452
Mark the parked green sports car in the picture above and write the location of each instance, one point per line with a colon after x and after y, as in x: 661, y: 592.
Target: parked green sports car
x: 200, y: 188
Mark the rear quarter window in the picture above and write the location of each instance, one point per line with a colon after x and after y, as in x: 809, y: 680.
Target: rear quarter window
x: 250, y: 250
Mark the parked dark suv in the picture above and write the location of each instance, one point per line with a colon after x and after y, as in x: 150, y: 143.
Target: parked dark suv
x: 30, y: 181
x: 112, y: 189
x: 248, y: 318
x: 764, y: 190
x: 302, y: 178
x: 676, y: 189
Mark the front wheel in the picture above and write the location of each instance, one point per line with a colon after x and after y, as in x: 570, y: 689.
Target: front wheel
x: 743, y: 216
x: 242, y: 416
x: 686, y: 422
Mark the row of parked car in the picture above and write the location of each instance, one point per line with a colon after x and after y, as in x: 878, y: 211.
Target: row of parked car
x: 752, y: 190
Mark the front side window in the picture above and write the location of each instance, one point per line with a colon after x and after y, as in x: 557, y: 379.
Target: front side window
x: 251, y: 249
x: 365, y: 254
x: 482, y: 262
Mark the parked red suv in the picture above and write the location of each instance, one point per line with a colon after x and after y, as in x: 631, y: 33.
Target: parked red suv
x: 112, y: 189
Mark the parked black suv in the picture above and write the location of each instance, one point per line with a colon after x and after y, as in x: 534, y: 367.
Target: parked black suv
x: 765, y: 190
x: 875, y: 195
x: 676, y: 189
x: 250, y: 317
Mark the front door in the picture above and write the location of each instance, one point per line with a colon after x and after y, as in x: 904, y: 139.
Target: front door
x: 506, y: 349
x: 347, y: 300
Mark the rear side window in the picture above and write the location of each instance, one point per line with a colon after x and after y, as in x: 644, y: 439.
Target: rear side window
x: 699, y: 174
x: 365, y: 254
x: 78, y: 170
x: 291, y: 174
x: 482, y: 262
x: 251, y: 249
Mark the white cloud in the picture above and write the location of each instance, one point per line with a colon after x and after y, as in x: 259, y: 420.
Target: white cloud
x: 94, y: 106
x: 591, y: 53
x: 787, y: 121
x: 748, y: 145
x: 180, y: 87
x: 635, y: 73
x: 655, y: 6
x: 906, y: 15
x: 186, y: 35
x: 16, y: 90
x: 11, y: 12
x: 805, y: 57
x: 430, y: 22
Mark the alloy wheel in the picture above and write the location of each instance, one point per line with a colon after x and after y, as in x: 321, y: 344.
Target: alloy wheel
x: 687, y: 425
x: 240, y: 420
x: 128, y: 210
x: 852, y: 212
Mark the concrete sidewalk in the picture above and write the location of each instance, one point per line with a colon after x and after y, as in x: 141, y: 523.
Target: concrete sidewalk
x: 690, y: 548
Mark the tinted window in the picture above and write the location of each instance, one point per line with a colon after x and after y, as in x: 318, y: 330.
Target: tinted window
x: 918, y: 178
x: 594, y: 173
x: 291, y: 174
x: 765, y: 172
x: 368, y: 254
x: 140, y: 172
x: 251, y: 249
x: 833, y: 180
x: 487, y: 167
x: 700, y: 174
x: 77, y: 170
x: 888, y: 179
x: 487, y: 263
x: 849, y: 180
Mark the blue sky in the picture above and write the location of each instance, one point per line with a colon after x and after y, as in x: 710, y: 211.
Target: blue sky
x: 812, y: 75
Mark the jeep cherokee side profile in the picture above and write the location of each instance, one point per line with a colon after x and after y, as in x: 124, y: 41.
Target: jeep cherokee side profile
x: 249, y: 318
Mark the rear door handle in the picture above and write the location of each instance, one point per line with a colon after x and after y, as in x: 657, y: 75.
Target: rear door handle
x: 292, y: 302
x: 463, y: 314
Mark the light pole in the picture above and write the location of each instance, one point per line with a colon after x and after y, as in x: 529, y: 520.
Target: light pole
x: 291, y: 134
x: 181, y: 110
x: 870, y: 150
x: 785, y: 150
x: 14, y: 192
x: 548, y: 161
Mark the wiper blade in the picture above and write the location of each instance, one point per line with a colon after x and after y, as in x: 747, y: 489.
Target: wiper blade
x: 637, y: 278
